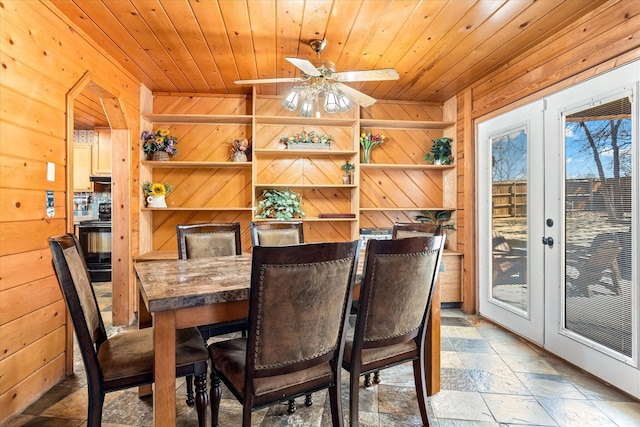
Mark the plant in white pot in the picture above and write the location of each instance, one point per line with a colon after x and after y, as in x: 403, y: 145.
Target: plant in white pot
x: 280, y: 204
x: 440, y: 152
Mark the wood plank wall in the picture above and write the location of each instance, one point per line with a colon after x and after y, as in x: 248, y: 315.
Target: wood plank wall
x: 43, y: 57
x: 604, y: 39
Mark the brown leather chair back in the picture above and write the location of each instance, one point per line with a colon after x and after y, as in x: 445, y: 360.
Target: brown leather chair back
x: 277, y: 233
x: 208, y: 240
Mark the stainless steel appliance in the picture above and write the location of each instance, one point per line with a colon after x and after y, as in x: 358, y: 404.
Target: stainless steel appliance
x: 95, y: 241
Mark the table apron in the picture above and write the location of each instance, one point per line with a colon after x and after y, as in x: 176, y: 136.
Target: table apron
x: 210, y: 314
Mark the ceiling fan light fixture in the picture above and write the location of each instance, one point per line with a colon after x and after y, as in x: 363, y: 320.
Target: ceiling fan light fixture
x: 331, y: 104
x: 344, y: 102
x: 306, y: 110
x: 291, y: 101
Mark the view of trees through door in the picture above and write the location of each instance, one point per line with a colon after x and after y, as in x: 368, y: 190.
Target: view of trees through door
x: 598, y: 201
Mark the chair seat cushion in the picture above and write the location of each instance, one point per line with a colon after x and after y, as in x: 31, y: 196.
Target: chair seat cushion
x: 229, y: 357
x: 130, y: 353
x: 372, y: 355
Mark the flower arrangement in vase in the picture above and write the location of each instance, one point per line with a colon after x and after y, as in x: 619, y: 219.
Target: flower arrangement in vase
x: 304, y: 139
x: 368, y: 141
x: 159, y: 145
x: 240, y: 150
x: 156, y: 193
x: 280, y: 204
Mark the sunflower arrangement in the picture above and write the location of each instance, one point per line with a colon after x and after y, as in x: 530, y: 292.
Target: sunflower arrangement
x: 159, y: 140
x: 156, y: 189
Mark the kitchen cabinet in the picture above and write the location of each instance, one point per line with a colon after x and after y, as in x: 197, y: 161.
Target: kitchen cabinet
x: 101, y: 155
x: 82, y: 154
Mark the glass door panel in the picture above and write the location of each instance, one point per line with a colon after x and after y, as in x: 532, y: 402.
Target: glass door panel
x: 598, y: 213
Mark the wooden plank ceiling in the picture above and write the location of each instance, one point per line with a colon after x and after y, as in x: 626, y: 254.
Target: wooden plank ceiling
x: 438, y: 47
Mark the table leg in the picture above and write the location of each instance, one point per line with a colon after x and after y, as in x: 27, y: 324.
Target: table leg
x: 164, y: 394
x: 432, y: 345
x: 144, y: 321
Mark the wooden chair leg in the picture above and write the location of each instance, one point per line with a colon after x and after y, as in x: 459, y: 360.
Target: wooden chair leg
x: 292, y: 406
x: 354, y: 396
x: 201, y: 398
x: 336, y: 406
x: 189, y: 385
x: 216, y: 395
x: 96, y: 402
x: 367, y: 380
x: 421, y: 390
x: 308, y: 400
x: 376, y: 377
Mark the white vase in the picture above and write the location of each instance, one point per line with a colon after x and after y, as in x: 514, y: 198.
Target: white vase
x: 156, y: 202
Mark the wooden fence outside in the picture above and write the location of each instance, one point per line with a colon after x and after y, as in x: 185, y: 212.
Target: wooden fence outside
x: 582, y: 195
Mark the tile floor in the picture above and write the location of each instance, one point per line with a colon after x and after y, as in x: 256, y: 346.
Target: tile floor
x: 489, y: 378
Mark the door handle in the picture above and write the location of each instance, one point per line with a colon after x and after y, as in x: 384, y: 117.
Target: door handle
x: 547, y: 241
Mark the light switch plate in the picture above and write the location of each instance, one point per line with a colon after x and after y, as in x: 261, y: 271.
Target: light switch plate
x: 51, y: 171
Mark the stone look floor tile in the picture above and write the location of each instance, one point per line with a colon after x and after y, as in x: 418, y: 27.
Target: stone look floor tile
x: 546, y: 385
x: 460, y: 405
x: 503, y: 382
x: 490, y: 378
x: 517, y: 410
x: 622, y: 413
x: 565, y: 412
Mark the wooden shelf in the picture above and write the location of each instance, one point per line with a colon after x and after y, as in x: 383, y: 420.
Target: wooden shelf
x: 422, y: 208
x: 404, y: 166
x: 405, y: 124
x: 305, y: 153
x: 185, y: 209
x: 314, y: 219
x: 267, y: 186
x: 199, y: 119
x: 323, y: 121
x: 193, y: 165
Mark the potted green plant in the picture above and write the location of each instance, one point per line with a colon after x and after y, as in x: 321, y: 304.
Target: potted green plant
x: 440, y: 152
x: 280, y: 204
x: 439, y: 218
x: 348, y: 169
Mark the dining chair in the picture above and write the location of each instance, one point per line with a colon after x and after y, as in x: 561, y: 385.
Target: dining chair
x: 276, y: 233
x: 210, y: 240
x: 396, y: 291
x: 126, y: 359
x: 298, y: 305
x: 279, y: 233
x: 401, y: 230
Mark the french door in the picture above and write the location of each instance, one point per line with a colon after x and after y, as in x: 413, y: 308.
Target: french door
x: 510, y: 189
x: 559, y: 261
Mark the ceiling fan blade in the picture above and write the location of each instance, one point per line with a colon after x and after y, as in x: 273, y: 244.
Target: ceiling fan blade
x: 264, y: 81
x: 356, y: 96
x: 306, y: 66
x: 366, y: 75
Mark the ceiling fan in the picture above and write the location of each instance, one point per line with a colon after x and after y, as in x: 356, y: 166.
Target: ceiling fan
x: 323, y: 80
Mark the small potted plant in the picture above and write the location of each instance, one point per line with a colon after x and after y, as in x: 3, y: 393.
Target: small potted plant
x: 440, y: 152
x: 439, y: 218
x: 159, y: 145
x: 280, y: 204
x: 348, y: 169
x: 156, y: 193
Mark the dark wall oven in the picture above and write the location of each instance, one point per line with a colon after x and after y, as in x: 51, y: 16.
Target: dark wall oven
x: 95, y: 240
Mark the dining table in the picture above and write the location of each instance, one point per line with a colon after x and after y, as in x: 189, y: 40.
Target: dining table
x: 181, y: 293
